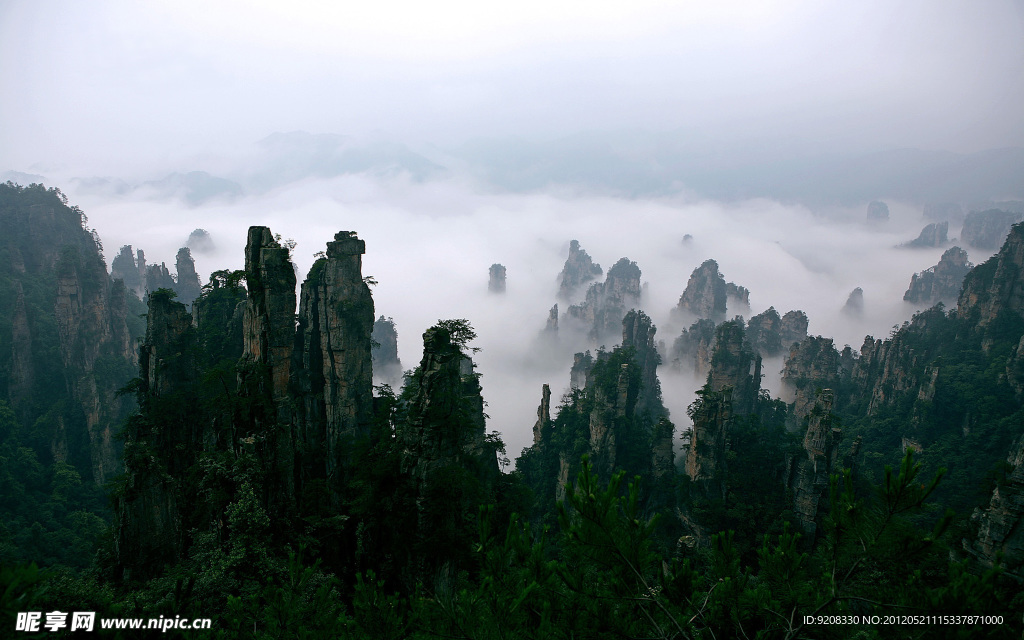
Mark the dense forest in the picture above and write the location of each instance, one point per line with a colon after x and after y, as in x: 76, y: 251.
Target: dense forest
x: 224, y: 453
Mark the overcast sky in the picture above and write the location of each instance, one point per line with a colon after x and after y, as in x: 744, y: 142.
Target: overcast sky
x: 99, y: 83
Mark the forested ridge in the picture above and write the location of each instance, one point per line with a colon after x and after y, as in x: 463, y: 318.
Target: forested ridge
x: 233, y: 460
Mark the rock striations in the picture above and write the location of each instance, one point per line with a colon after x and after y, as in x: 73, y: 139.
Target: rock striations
x: 987, y: 229
x: 335, y: 328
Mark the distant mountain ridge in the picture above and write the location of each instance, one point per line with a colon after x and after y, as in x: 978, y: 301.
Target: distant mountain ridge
x: 641, y: 163
x: 626, y: 164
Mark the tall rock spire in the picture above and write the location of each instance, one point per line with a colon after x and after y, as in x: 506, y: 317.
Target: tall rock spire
x: 265, y: 368
x: 334, y: 334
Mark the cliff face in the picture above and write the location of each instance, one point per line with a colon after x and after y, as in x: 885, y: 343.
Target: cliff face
x: 579, y: 269
x: 705, y: 293
x: 334, y: 331
x: 551, y: 325
x: 740, y: 296
x: 158, y: 277
x: 770, y: 334
x: 23, y: 376
x: 542, y: 428
x: 734, y: 383
x: 987, y: 229
x: 444, y: 436
x: 582, y: 363
x: 933, y: 235
x: 440, y: 430
x: 793, y: 329
x: 809, y: 474
x: 607, y: 303
x: 160, y: 451
x: 905, y: 372
x: 692, y: 349
x: 638, y: 334
x: 613, y: 413
x: 941, y: 282
x: 387, y: 368
x: 705, y: 457
x: 625, y: 398
x: 141, y: 279
x: 268, y: 334
x: 1015, y: 370
x: 764, y: 332
x: 133, y: 273
x: 187, y: 284
x: 735, y: 367
x: 69, y: 348
x: 997, y: 528
x: 811, y: 364
x: 168, y: 366
x: 889, y: 372
x: 996, y: 286
x: 91, y: 322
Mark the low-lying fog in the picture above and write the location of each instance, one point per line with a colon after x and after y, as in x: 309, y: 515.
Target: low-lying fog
x: 430, y: 244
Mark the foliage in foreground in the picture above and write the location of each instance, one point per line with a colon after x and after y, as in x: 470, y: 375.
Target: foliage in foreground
x: 598, y: 576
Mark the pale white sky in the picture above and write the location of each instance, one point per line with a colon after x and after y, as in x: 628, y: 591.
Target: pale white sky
x: 110, y: 82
